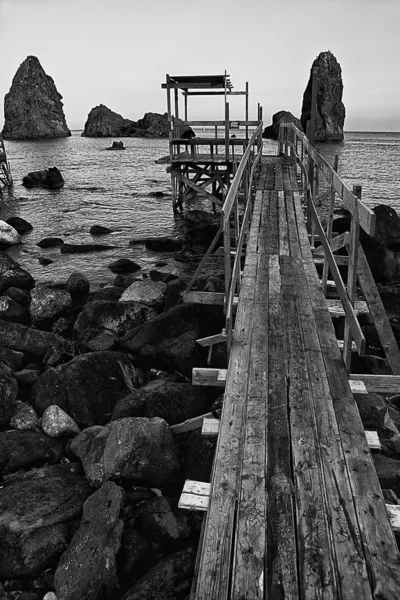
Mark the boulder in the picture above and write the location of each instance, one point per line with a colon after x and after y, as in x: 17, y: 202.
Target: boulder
x: 24, y: 416
x: 113, y: 317
x: 24, y: 449
x: 56, y: 423
x: 330, y: 113
x: 99, y: 229
x: 13, y: 359
x: 116, y: 146
x: 124, y: 265
x: 50, y: 242
x: 22, y: 297
x: 33, y: 107
x: 181, y: 354
x: 47, y: 303
x: 50, y: 179
x: 11, y: 275
x: 164, y: 244
x: 283, y: 116
x: 27, y: 377
x: 27, y: 339
x: 8, y: 235
x: 88, y: 387
x: 174, y: 402
x: 83, y: 248
x: 150, y: 293
x: 131, y: 448
x: 169, y: 579
x: 20, y: 224
x: 87, y: 568
x: 12, y: 311
x: 8, y: 395
x: 198, y: 218
x: 77, y: 284
x: 135, y: 551
x: 37, y: 512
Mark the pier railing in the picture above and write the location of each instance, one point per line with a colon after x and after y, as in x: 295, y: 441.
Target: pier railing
x: 5, y: 171
x: 295, y: 144
x: 236, y: 213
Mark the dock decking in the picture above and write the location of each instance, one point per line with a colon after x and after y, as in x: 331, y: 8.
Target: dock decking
x: 295, y: 508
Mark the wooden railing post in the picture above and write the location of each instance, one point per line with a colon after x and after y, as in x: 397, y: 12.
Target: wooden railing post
x: 352, y: 274
x: 329, y: 226
x: 227, y: 131
x: 314, y: 84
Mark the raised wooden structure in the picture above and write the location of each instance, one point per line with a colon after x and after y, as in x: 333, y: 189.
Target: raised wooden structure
x: 205, y: 166
x: 294, y: 509
x: 5, y: 171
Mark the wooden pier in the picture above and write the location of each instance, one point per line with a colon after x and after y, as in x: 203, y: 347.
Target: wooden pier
x: 5, y: 171
x: 294, y: 509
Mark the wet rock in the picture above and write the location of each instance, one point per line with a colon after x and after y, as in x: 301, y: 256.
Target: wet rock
x: 111, y: 317
x: 18, y: 278
x: 201, y: 235
x: 174, y: 402
x: 125, y: 280
x: 47, y: 303
x: 150, y: 293
x: 164, y: 244
x: 168, y: 578
x: 8, y: 235
x: 87, y: 569
x: 23, y: 449
x: 200, y: 452
x: 8, y: 395
x: 12, y: 311
x: 50, y: 179
x: 124, y: 265
x: 99, y: 230
x: 180, y: 355
x: 88, y: 387
x: 27, y: 339
x: 24, y: 416
x: 45, y: 261
x: 11, y: 358
x: 110, y: 293
x: 44, y: 504
x: 198, y: 218
x: 27, y: 377
x: 22, y: 297
x: 135, y: 551
x: 136, y: 449
x: 77, y: 284
x: 50, y: 242
x: 56, y: 423
x: 116, y: 146
x: 83, y: 248
x: 20, y: 224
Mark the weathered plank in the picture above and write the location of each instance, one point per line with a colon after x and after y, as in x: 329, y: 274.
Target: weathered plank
x: 373, y: 441
x: 379, y: 384
x: 205, y: 376
x: 195, y: 495
x: 210, y: 426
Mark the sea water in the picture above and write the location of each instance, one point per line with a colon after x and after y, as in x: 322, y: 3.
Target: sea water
x: 114, y: 189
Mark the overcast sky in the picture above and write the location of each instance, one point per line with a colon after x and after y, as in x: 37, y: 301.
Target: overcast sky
x: 117, y: 52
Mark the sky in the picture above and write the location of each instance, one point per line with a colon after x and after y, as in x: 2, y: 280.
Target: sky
x: 117, y: 53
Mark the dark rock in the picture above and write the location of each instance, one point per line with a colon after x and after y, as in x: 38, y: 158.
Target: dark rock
x: 8, y: 395
x: 45, y: 261
x: 24, y: 417
x: 88, y: 387
x: 198, y: 218
x: 44, y: 503
x: 116, y: 146
x: 124, y: 265
x: 103, y: 122
x: 47, y: 303
x: 20, y: 224
x: 174, y: 402
x: 50, y: 242
x: 11, y: 358
x: 200, y: 452
x: 27, y: 339
x: 135, y: 551
x: 115, y: 317
x: 12, y: 311
x: 87, y: 569
x: 163, y: 244
x: 78, y: 248
x: 22, y: 297
x: 156, y: 194
x: 33, y: 107
x: 201, y: 235
x: 77, y: 284
x: 155, y: 125
x: 135, y: 449
x: 18, y: 278
x: 330, y: 108
x: 181, y: 354
x: 283, y: 116
x: 169, y: 579
x: 50, y: 179
x: 124, y: 281
x: 27, y: 377
x: 99, y: 229
x: 111, y: 293
x: 25, y: 449
x: 388, y: 471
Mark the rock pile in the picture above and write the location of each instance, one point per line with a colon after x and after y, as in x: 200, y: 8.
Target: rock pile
x: 103, y: 122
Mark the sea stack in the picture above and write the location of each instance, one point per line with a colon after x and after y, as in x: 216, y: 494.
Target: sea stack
x: 330, y: 108
x: 283, y: 116
x: 103, y: 122
x: 33, y: 107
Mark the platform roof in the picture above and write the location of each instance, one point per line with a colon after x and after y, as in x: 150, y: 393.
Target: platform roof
x: 199, y: 81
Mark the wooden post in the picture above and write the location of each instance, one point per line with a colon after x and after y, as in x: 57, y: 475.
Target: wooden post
x: 352, y: 274
x: 247, y: 110
x: 314, y: 84
x: 325, y: 271
x: 186, y: 106
x: 227, y: 131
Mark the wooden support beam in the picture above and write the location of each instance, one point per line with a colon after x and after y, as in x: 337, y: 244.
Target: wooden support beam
x: 336, y: 309
x: 212, y: 339
x: 210, y: 427
x: 373, y: 440
x: 358, y: 387
x: 191, y: 424
x: 380, y: 384
x: 195, y: 495
x: 336, y: 244
x: 211, y: 377
x: 198, y: 188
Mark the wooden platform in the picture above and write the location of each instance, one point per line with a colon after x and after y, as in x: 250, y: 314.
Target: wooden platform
x: 295, y: 508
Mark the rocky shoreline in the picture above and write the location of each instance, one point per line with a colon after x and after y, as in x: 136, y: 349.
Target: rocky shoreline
x: 90, y: 385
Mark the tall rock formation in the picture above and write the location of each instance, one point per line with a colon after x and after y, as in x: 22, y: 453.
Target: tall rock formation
x: 283, y: 116
x: 103, y: 122
x: 33, y: 107
x: 330, y: 108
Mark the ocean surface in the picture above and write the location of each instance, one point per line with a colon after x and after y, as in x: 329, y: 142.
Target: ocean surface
x: 113, y: 189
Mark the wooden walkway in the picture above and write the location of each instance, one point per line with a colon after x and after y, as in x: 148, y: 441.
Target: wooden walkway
x: 295, y: 510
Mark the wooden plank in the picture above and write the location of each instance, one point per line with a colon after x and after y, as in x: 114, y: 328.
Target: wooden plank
x: 336, y: 244
x: 358, y: 386
x: 212, y: 377
x: 378, y: 313
x: 379, y: 384
x: 215, y: 561
x: 195, y: 495
x: 212, y: 339
x: 210, y: 426
x: 378, y: 542
x: 348, y: 566
x: 191, y: 424
x: 336, y: 309
x: 373, y: 441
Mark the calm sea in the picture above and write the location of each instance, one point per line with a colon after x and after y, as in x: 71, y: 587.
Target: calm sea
x: 114, y: 189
